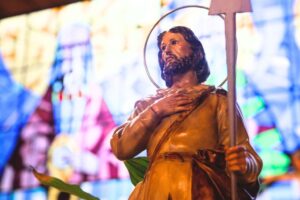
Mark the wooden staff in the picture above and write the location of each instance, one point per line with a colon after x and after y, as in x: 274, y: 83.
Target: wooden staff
x: 230, y: 8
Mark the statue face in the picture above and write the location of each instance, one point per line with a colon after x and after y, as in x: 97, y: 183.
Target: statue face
x: 174, y: 48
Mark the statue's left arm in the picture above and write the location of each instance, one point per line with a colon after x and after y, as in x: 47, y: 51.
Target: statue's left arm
x: 242, y: 158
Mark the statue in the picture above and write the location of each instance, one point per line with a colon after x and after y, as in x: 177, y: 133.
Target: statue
x: 185, y: 130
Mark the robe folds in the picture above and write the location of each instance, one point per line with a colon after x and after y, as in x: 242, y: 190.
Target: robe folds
x: 186, y: 150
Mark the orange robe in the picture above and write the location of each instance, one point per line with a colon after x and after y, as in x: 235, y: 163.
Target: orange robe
x: 171, y: 175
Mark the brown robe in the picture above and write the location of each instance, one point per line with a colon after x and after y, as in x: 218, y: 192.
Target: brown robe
x: 178, y: 169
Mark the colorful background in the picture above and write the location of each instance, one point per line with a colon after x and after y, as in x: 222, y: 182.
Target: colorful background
x: 70, y: 75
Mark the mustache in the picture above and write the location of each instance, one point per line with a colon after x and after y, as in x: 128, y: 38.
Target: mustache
x: 170, y: 55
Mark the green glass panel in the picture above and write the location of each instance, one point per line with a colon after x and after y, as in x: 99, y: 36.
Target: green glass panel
x: 268, y: 140
x: 274, y: 163
x: 252, y: 107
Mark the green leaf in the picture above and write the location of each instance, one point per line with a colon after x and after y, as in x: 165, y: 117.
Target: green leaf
x: 137, y: 168
x: 62, y: 186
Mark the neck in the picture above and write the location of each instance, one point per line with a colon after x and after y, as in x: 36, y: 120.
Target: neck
x: 187, y: 79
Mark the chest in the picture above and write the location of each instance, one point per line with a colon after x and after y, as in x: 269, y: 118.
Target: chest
x: 197, y: 131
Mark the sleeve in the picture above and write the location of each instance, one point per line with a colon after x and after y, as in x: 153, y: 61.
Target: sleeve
x: 254, y: 163
x: 132, y: 137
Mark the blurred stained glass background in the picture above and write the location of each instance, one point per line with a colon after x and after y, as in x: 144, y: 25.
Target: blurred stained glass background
x: 70, y: 75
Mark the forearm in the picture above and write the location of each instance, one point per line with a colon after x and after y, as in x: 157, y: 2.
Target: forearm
x: 132, y: 137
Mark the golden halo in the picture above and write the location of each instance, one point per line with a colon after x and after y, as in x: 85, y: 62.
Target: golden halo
x: 154, y: 26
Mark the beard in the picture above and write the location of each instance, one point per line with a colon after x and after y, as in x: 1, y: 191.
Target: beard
x: 178, y: 66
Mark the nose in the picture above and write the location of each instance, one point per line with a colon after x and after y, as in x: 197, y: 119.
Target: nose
x: 167, y: 48
x: 167, y: 51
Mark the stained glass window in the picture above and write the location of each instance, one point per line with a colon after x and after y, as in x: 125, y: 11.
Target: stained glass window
x: 70, y: 75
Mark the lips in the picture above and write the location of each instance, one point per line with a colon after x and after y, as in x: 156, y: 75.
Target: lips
x: 170, y: 58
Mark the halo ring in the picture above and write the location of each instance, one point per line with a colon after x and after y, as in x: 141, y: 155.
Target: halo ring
x: 154, y: 26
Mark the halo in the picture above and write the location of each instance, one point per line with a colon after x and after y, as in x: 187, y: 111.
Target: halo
x: 154, y: 26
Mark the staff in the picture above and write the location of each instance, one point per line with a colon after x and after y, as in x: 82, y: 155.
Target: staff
x: 230, y: 8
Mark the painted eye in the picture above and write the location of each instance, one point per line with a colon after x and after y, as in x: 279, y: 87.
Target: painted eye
x: 173, y: 42
x: 163, y: 47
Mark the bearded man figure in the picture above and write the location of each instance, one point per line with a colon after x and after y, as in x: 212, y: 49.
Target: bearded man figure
x: 185, y: 130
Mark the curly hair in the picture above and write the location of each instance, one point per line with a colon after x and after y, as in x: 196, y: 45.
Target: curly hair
x: 201, y: 68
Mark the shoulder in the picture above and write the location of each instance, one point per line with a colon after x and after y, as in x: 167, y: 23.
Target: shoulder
x: 217, y: 97
x: 218, y: 93
x: 142, y: 104
x: 221, y: 91
x: 211, y: 89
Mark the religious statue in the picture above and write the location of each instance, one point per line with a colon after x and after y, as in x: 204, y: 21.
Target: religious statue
x: 185, y: 130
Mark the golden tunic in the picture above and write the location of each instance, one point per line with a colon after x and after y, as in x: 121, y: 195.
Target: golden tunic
x: 205, y: 127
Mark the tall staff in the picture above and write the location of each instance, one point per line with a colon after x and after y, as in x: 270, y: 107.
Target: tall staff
x: 230, y: 8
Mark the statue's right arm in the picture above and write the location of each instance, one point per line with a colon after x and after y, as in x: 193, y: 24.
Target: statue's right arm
x: 132, y: 137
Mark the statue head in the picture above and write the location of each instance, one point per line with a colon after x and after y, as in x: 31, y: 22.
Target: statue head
x: 180, y: 51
